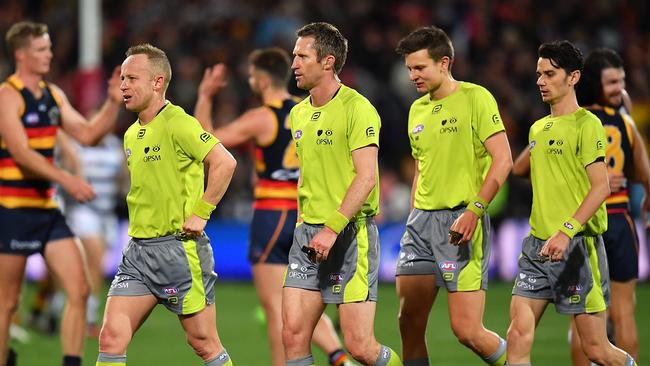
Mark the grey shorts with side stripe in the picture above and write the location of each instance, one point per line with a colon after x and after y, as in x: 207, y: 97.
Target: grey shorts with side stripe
x: 577, y: 284
x: 349, y: 274
x: 178, y: 272
x: 425, y: 250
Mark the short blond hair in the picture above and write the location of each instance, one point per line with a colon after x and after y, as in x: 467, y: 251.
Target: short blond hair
x: 18, y: 36
x: 157, y: 58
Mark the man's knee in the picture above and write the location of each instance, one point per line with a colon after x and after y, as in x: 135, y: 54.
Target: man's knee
x: 79, y: 292
x: 203, y: 345
x: 595, y: 353
x: 519, y: 332
x: 359, y: 345
x: 466, y: 333
x: 113, y: 340
x: 292, y: 336
x: 9, y: 304
x: 412, y: 317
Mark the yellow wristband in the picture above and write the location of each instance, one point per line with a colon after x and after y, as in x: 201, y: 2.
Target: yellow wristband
x: 477, y: 205
x: 571, y: 227
x: 337, y: 222
x: 203, y: 209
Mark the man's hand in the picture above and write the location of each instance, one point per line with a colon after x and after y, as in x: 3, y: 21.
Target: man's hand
x: 78, y: 188
x: 555, y: 247
x: 214, y: 79
x: 617, y: 181
x: 194, y: 226
x: 322, y: 243
x: 465, y: 225
x: 113, y: 91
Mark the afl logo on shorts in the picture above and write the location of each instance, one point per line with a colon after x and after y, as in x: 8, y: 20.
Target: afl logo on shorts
x: 448, y: 266
x: 171, y: 291
x: 297, y: 135
x: 417, y: 129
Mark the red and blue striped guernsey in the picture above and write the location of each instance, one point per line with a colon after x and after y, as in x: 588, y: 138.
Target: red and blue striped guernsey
x: 41, y: 119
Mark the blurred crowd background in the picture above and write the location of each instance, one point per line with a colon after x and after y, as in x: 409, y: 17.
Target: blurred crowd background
x: 495, y: 41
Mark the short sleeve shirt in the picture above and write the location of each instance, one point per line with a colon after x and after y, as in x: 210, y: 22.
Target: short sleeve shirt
x: 447, y: 140
x: 165, y: 161
x: 560, y: 150
x: 325, y: 137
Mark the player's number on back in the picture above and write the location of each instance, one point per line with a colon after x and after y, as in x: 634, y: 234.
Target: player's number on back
x: 615, y: 155
x: 290, y: 158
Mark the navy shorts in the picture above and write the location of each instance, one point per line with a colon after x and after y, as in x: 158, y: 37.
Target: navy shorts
x: 25, y: 231
x: 622, y: 247
x: 271, y: 236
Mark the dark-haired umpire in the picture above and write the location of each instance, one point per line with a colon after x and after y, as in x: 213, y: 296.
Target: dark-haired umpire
x: 563, y: 259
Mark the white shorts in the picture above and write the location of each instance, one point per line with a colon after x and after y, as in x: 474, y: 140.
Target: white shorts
x: 87, y: 222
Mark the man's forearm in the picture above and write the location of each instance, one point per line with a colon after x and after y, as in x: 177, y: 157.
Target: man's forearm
x: 203, y: 112
x: 219, y: 175
x: 101, y: 124
x: 357, y: 194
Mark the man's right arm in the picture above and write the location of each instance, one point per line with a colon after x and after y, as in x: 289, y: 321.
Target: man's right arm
x: 15, y: 137
x: 213, y: 81
x: 641, y: 168
x: 521, y: 167
x: 255, y: 124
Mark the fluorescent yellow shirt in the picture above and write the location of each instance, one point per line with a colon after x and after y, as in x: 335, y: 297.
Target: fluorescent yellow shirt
x: 325, y: 138
x: 165, y: 159
x: 447, y: 137
x: 560, y: 150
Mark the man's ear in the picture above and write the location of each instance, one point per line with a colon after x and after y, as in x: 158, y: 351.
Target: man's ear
x: 329, y: 62
x: 575, y: 77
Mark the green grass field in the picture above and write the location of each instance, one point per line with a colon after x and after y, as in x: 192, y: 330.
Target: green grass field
x: 161, y: 342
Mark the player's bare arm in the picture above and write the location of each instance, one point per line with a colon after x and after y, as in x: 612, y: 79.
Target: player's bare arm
x: 214, y: 79
x: 219, y: 166
x: 499, y: 149
x: 256, y: 124
x: 557, y: 244
x: 365, y: 164
x: 521, y: 167
x: 641, y: 168
x: 14, y: 135
x: 90, y: 132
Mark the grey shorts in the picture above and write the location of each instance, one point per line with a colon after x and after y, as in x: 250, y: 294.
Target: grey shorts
x: 425, y: 250
x: 179, y: 273
x: 351, y: 270
x: 577, y: 284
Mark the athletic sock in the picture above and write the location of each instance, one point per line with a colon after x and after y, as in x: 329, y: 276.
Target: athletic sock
x: 222, y: 359
x: 71, y: 361
x: 417, y: 362
x: 11, y: 357
x: 305, y: 361
x: 629, y: 361
x: 387, y: 357
x: 91, y: 309
x: 498, y: 358
x: 104, y: 359
x: 338, y: 357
